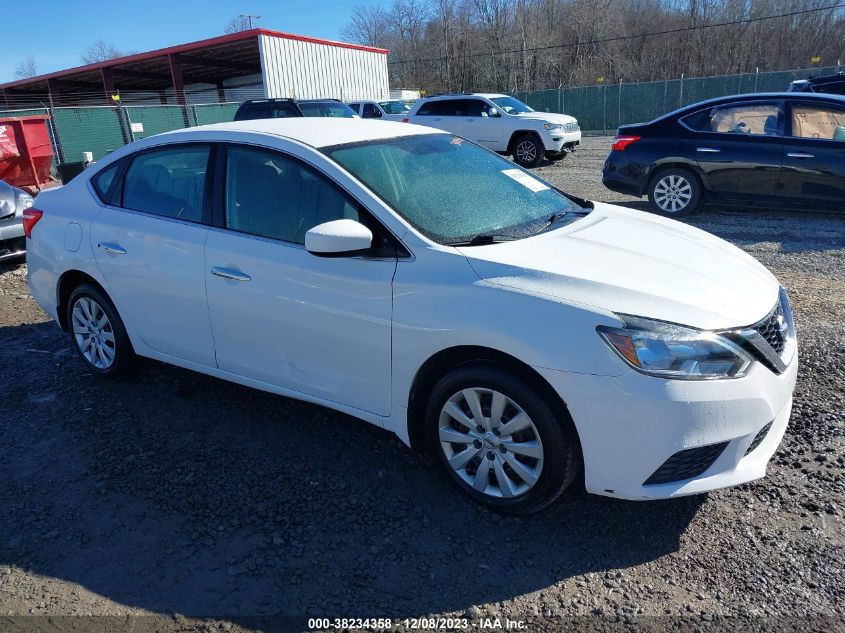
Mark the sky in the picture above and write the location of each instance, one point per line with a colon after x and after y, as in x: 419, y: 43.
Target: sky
x: 59, y: 32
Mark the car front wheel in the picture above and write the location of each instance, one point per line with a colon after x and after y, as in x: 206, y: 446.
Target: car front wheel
x: 528, y: 151
x: 675, y: 193
x: 97, y: 332
x: 499, y: 440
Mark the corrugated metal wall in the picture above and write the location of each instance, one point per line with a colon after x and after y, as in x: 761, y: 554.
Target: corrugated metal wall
x: 306, y: 70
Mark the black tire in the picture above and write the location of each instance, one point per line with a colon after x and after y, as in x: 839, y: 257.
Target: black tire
x: 675, y: 192
x: 527, y: 150
x: 123, y: 356
x: 557, y: 436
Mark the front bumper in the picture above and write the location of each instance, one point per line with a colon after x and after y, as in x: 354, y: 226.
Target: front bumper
x: 558, y: 141
x: 630, y: 425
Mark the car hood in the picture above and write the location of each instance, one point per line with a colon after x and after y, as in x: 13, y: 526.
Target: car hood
x: 552, y: 117
x: 632, y: 262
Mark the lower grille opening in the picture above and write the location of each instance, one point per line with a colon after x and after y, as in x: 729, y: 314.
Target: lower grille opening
x: 686, y: 464
x: 758, y: 439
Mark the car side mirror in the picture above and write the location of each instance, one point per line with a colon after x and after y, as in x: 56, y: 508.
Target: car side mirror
x: 338, y: 238
x: 492, y: 112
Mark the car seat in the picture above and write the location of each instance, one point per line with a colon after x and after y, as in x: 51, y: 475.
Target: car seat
x: 771, y: 125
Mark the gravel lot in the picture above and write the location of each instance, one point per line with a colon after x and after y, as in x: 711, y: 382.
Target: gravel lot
x: 176, y: 493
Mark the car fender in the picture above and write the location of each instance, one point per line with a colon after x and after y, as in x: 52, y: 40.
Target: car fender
x: 539, y: 331
x: 671, y: 162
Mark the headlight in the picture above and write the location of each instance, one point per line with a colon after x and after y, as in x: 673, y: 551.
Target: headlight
x: 552, y: 126
x: 673, y: 351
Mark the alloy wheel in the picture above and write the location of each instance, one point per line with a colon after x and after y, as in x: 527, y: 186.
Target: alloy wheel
x: 490, y: 442
x: 526, y: 152
x: 93, y: 333
x: 672, y: 193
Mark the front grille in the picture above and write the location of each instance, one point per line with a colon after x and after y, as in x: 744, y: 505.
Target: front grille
x: 758, y: 439
x: 570, y: 127
x: 686, y: 464
x: 772, y: 328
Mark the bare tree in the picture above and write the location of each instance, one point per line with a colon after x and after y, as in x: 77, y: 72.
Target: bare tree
x: 240, y: 23
x: 101, y: 51
x: 517, y: 45
x: 27, y: 68
x: 368, y: 26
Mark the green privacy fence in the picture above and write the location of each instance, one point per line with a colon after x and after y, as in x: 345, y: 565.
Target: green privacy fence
x: 601, y: 109
x: 205, y: 114
x: 147, y: 121
x: 103, y: 129
x: 92, y: 129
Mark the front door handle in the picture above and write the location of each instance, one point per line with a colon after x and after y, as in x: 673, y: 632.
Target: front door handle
x: 229, y: 273
x: 707, y: 150
x: 114, y: 249
x: 799, y: 155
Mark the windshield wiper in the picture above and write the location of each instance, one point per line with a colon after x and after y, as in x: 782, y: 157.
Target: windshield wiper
x: 556, y: 217
x: 481, y: 240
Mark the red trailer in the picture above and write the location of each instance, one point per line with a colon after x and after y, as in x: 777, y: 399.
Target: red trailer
x: 26, y: 154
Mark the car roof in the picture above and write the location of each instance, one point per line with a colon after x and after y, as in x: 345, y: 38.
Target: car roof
x: 314, y: 131
x: 753, y: 96
x: 459, y: 95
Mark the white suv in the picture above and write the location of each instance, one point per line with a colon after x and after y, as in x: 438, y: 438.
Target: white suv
x: 501, y: 123
x: 412, y: 279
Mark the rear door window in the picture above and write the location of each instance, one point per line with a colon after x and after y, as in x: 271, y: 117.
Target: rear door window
x: 443, y: 107
x: 752, y: 119
x: 168, y: 182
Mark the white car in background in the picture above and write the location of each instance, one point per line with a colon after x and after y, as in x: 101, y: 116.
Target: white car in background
x: 501, y: 123
x: 390, y: 110
x: 414, y: 280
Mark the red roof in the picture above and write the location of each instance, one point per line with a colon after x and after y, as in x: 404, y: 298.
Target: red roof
x: 191, y: 46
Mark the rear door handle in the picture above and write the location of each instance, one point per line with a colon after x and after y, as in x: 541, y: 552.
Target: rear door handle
x: 114, y: 249
x: 799, y: 155
x: 707, y: 150
x: 229, y: 273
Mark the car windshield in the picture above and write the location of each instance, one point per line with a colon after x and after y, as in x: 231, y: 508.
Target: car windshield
x: 395, y: 107
x: 511, y: 106
x: 454, y: 191
x: 326, y: 108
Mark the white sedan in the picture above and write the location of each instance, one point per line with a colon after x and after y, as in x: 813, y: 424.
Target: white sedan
x: 415, y: 280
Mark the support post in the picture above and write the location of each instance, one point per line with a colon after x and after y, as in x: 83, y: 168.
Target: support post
x: 179, y: 85
x: 107, y: 75
x: 221, y: 92
x: 177, y: 77
x: 53, y: 91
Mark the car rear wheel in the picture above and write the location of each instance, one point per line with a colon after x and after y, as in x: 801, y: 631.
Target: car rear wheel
x: 499, y: 440
x: 528, y: 151
x: 98, y: 333
x: 675, y: 193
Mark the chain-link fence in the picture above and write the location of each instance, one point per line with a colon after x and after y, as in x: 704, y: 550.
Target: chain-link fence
x: 601, y: 109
